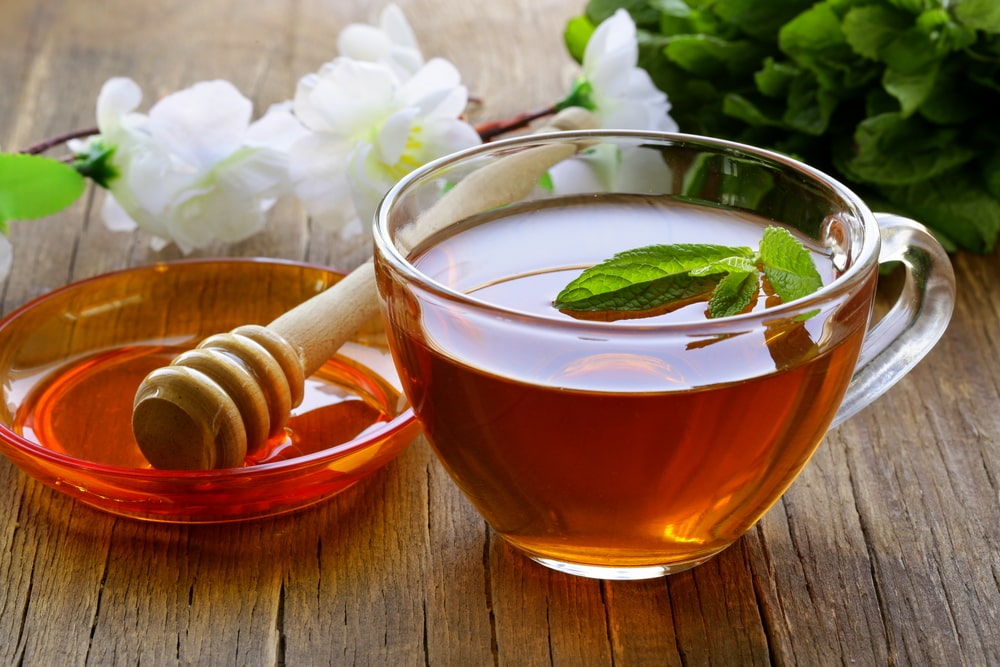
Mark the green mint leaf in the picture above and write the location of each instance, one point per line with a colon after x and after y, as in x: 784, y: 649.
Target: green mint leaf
x: 872, y: 28
x: 911, y: 89
x: 658, y: 278
x: 958, y: 205
x: 889, y: 149
x: 646, y: 278
x: 33, y: 186
x: 979, y: 15
x: 734, y: 294
x: 734, y: 264
x: 787, y: 265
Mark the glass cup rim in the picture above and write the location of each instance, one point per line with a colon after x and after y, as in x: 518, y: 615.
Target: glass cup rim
x: 865, y: 260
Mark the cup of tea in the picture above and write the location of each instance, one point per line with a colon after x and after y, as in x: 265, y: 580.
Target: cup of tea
x: 629, y: 445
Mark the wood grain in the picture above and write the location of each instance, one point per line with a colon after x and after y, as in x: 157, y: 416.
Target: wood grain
x: 886, y: 550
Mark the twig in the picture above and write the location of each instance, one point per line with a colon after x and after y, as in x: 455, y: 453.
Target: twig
x: 494, y: 129
x: 59, y: 140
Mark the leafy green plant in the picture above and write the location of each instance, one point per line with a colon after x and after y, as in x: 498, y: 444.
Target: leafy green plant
x: 897, y: 98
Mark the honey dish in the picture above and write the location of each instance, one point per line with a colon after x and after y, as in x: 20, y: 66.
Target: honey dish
x: 70, y: 362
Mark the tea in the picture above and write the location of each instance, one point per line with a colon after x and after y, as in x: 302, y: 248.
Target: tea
x: 635, y: 449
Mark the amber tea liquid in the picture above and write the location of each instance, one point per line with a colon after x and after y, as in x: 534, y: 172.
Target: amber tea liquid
x: 629, y: 449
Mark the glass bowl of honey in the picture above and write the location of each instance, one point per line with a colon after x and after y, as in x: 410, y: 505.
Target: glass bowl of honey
x: 71, y: 360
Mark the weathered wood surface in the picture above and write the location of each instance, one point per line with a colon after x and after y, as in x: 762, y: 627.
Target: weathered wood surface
x: 885, y: 551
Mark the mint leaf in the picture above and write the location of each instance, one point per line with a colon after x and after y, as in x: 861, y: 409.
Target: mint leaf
x: 871, y: 28
x: 734, y: 294
x: 892, y: 150
x: 911, y: 89
x: 710, y: 56
x: 658, y: 278
x: 33, y: 186
x: 979, y: 15
x: 736, y: 263
x: 957, y: 204
x: 787, y: 265
x: 646, y: 278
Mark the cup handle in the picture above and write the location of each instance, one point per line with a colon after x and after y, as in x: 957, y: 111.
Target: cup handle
x: 915, y: 322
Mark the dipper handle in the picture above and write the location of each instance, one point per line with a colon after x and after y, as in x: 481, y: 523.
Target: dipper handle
x: 214, y: 404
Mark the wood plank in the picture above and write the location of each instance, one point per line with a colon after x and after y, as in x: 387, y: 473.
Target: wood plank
x: 885, y: 551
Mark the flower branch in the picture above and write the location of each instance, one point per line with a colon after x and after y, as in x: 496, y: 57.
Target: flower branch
x: 493, y: 129
x: 59, y: 140
x: 197, y: 168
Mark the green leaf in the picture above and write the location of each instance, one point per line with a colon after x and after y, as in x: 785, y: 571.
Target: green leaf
x: 787, y: 264
x: 810, y: 107
x: 775, y: 78
x: 742, y: 108
x: 900, y: 92
x: 816, y: 41
x: 676, y: 17
x: 956, y: 204
x: 871, y: 29
x: 576, y: 35
x: 645, y: 278
x: 946, y: 34
x: 33, y: 186
x: 913, y: 89
x: 758, y: 19
x: 892, y: 150
x: 979, y: 15
x: 910, y: 51
x: 953, y: 100
x: 710, y: 56
x: 734, y: 294
x: 642, y: 13
x: 733, y: 264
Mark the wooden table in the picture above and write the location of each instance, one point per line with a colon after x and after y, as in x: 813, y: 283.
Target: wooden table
x: 885, y: 551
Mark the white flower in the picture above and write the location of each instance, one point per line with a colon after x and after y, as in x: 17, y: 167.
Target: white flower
x: 392, y: 43
x: 610, y: 168
x: 368, y: 129
x: 195, y: 169
x: 621, y: 94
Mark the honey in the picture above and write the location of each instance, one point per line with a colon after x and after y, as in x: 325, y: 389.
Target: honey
x: 84, y: 409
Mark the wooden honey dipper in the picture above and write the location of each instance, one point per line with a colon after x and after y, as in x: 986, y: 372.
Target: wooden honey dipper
x: 214, y: 404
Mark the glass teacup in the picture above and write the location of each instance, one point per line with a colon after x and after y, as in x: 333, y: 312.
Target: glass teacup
x: 637, y: 445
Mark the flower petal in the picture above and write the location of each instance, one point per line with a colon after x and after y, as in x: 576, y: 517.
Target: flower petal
x: 345, y: 97
x: 118, y: 97
x: 392, y: 44
x: 201, y: 124
x: 395, y: 133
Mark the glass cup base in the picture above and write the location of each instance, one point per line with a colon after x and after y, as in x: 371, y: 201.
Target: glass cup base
x: 624, y: 573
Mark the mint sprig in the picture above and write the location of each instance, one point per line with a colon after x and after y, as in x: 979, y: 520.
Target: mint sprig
x: 787, y: 265
x: 658, y: 278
